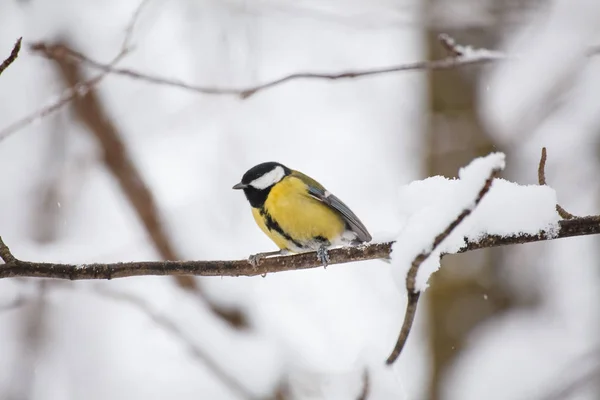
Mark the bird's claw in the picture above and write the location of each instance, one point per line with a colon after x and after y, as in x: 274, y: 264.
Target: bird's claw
x: 254, y: 259
x: 323, y: 256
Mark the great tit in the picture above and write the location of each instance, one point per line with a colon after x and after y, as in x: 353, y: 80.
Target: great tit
x: 298, y: 213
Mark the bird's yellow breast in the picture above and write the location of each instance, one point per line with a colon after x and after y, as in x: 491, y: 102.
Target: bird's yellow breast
x: 300, y: 217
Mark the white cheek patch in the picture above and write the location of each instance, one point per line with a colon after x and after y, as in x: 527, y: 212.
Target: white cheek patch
x: 268, y: 179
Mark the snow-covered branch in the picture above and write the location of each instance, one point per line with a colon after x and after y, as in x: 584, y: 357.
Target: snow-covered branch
x: 580, y: 226
x: 12, y: 57
x: 495, y: 164
x: 460, y: 226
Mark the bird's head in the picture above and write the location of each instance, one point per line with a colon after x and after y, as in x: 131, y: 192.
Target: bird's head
x: 258, y: 181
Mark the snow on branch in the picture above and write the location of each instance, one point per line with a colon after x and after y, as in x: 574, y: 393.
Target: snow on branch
x: 12, y: 57
x: 443, y: 217
x: 481, y: 169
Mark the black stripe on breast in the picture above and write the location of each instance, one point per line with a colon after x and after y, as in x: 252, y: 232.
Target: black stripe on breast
x: 272, y: 225
x: 322, y: 240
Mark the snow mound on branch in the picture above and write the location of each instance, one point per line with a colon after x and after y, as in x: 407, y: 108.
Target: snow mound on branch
x: 430, y: 205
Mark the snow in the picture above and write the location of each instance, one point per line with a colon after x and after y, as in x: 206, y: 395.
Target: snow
x: 470, y: 53
x: 430, y: 205
x: 363, y: 139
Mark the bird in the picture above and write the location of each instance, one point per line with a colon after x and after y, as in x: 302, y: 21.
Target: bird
x: 298, y: 213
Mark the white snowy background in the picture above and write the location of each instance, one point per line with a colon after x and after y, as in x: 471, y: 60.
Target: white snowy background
x: 316, y: 329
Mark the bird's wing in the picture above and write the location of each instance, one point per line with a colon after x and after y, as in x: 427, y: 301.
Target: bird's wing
x: 317, y: 191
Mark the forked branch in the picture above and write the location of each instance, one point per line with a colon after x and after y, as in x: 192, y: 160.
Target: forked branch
x: 411, y: 277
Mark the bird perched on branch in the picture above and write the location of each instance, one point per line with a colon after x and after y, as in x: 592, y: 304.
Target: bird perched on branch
x: 298, y: 213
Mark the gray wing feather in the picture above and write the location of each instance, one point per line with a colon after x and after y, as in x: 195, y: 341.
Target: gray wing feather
x: 351, y: 219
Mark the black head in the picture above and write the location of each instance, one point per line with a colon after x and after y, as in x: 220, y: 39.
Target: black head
x: 258, y: 181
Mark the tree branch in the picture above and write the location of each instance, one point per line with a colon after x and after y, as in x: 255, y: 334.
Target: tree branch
x: 579, y: 226
x: 12, y: 57
x: 411, y: 277
x: 81, y: 88
x: 117, y: 158
x: 366, y: 386
x: 171, y: 327
x: 542, y: 182
x: 458, y: 56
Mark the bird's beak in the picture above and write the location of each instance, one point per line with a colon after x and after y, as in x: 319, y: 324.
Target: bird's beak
x: 239, y: 186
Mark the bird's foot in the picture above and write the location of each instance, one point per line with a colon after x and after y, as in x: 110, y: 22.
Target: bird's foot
x: 323, y: 256
x: 255, y: 259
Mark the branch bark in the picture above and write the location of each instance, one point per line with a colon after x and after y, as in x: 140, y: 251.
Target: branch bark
x: 542, y: 182
x: 580, y: 226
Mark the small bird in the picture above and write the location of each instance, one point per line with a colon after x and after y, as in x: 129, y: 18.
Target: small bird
x: 298, y: 213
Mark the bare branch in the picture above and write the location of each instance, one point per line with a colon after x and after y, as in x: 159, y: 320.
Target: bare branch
x: 12, y: 57
x: 455, y: 60
x: 366, y: 386
x: 411, y: 276
x: 79, y: 89
x: 132, y: 23
x: 459, y: 55
x: 5, y: 253
x: 117, y: 158
x: 542, y: 181
x: 170, y: 326
x: 579, y: 378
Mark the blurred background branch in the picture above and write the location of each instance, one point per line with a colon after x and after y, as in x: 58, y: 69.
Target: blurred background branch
x: 117, y: 158
x: 12, y: 56
x: 459, y: 56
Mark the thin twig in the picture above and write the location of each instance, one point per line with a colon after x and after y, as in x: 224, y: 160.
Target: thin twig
x: 542, y: 182
x: 460, y: 56
x: 67, y: 96
x: 450, y: 45
x: 411, y: 276
x: 366, y: 386
x: 5, y: 253
x: 453, y: 61
x: 127, y: 42
x: 12, y: 57
x: 81, y: 88
x: 171, y: 327
x: 583, y: 379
